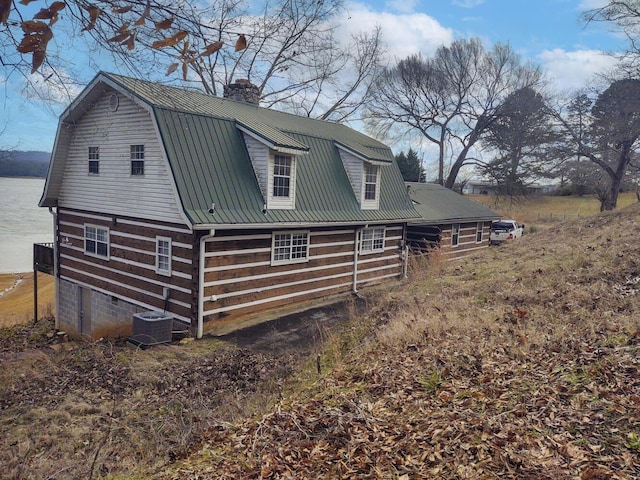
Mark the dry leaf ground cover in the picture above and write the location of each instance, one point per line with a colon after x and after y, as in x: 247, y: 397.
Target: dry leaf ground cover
x: 521, y: 362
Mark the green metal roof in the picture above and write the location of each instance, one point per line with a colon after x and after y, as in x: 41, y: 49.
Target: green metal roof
x: 437, y: 204
x: 211, y: 165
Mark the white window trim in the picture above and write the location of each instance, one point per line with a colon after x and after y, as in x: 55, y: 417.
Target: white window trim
x: 281, y: 203
x: 455, y: 231
x: 373, y: 204
x: 96, y: 160
x: 373, y: 238
x: 289, y: 260
x: 108, y: 242
x: 159, y: 270
x: 480, y: 230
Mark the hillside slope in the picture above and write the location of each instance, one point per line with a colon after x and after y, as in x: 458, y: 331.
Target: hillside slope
x: 522, y: 362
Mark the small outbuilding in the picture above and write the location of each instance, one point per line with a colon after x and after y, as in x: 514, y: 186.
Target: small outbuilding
x: 450, y: 221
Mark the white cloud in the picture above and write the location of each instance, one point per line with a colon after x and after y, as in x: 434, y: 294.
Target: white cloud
x: 402, y: 6
x: 573, y: 70
x: 467, y: 3
x: 403, y: 34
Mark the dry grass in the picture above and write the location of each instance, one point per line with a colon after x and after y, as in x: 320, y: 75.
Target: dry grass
x: 16, y: 304
x: 548, y: 209
x: 520, y: 362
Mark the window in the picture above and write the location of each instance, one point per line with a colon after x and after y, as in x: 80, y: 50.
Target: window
x: 137, y: 159
x: 94, y: 160
x: 370, y: 187
x: 163, y: 255
x: 281, y: 186
x: 479, y: 228
x: 290, y: 247
x: 455, y: 234
x: 281, y: 176
x: 372, y: 240
x: 96, y: 241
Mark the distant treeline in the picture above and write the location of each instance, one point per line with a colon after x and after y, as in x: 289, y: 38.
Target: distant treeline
x: 16, y: 163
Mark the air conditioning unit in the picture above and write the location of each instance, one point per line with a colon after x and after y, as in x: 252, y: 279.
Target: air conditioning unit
x: 151, y: 328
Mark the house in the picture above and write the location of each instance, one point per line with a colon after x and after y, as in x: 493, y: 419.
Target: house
x: 457, y: 225
x: 217, y: 212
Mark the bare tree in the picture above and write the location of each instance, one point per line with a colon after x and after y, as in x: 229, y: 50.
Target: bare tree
x: 625, y: 14
x: 607, y: 134
x: 289, y: 48
x: 450, y: 100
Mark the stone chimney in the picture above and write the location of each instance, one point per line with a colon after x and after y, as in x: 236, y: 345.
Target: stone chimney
x: 242, y: 91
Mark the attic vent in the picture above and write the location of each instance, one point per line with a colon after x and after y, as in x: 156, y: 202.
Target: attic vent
x: 151, y: 328
x: 114, y: 102
x: 242, y: 91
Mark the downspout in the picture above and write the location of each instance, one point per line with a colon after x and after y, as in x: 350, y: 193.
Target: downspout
x: 356, y: 250
x: 405, y: 252
x: 201, y: 266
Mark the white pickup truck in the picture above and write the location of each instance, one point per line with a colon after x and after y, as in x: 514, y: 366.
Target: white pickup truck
x: 503, y: 230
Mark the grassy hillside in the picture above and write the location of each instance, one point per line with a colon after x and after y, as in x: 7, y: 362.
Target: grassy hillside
x: 521, y: 362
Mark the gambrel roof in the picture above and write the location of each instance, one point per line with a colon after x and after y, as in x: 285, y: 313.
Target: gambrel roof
x: 203, y: 140
x: 437, y: 205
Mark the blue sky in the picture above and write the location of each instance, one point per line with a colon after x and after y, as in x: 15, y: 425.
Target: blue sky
x: 547, y: 32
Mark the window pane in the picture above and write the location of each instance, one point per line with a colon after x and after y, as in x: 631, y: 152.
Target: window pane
x: 281, y: 176
x: 370, y: 182
x: 137, y: 167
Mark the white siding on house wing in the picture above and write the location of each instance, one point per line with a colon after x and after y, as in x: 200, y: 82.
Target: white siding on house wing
x: 114, y: 190
x: 354, y: 169
x: 259, y: 154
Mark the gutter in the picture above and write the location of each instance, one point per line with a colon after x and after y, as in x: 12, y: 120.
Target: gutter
x: 201, y: 266
x: 280, y: 225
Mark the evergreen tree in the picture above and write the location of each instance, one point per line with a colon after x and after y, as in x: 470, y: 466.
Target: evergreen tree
x: 410, y: 166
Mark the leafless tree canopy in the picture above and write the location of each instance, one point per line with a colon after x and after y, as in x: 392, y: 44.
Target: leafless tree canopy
x: 450, y: 100
x: 289, y: 48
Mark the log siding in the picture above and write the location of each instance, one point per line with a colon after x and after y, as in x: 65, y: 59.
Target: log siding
x: 129, y: 274
x: 240, y: 281
x: 467, y: 243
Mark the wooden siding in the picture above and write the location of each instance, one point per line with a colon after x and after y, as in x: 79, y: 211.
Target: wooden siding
x: 130, y: 272
x: 114, y: 190
x: 240, y: 282
x: 422, y: 238
x: 466, y: 241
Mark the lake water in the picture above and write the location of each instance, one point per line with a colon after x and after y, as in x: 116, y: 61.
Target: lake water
x: 22, y: 223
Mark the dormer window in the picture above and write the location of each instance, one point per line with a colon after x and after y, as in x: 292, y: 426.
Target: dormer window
x: 282, y: 182
x: 282, y: 175
x: 370, y: 187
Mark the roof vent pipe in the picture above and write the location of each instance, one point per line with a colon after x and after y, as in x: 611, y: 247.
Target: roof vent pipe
x: 242, y: 90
